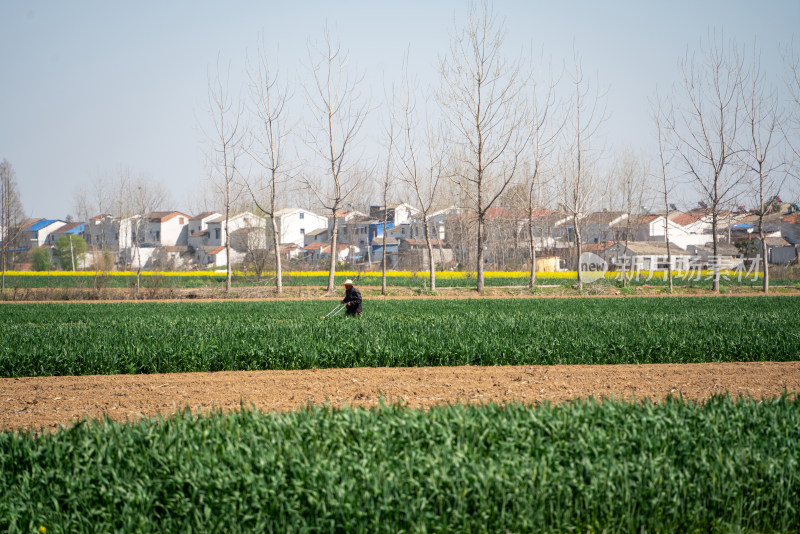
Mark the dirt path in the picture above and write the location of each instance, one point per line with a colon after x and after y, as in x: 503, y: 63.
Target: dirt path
x: 48, y: 402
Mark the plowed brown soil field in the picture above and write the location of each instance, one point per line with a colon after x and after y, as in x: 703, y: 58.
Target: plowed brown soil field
x: 52, y: 401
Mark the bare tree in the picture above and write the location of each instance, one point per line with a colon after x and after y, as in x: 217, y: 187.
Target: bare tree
x: 386, y: 187
x: 270, y: 100
x: 543, y: 142
x: 762, y: 125
x: 422, y: 157
x: 226, y: 140
x: 142, y: 196
x: 664, y: 159
x: 482, y: 97
x: 579, y: 162
x: 706, y: 127
x: 340, y: 112
x: 631, y: 185
x: 11, y: 215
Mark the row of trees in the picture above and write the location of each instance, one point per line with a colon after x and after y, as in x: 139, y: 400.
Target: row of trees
x: 497, y: 134
x: 496, y: 126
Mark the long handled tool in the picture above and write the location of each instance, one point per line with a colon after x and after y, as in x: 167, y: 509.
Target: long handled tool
x: 334, y: 312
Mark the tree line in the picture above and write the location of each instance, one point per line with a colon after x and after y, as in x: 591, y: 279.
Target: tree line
x: 498, y: 130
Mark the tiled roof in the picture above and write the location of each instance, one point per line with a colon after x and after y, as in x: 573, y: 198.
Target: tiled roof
x: 203, y: 215
x: 604, y: 217
x: 42, y: 223
x: 687, y: 218
x: 644, y: 219
x: 652, y: 248
x: 596, y: 247
x: 164, y: 216
x: 71, y: 228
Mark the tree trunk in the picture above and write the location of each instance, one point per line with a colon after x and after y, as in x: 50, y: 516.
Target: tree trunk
x: 383, y: 243
x: 531, y: 250
x: 227, y: 238
x: 431, y: 263
x: 715, y: 285
x: 580, y: 245
x: 334, y: 253
x: 479, y: 257
x: 669, y: 251
x: 764, y: 252
x: 278, y: 270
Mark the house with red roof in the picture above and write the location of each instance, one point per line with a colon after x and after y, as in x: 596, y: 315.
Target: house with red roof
x: 167, y: 229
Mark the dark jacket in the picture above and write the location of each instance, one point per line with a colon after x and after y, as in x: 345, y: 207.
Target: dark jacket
x: 352, y: 296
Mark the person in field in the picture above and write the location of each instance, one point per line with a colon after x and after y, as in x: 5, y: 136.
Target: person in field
x: 352, y: 299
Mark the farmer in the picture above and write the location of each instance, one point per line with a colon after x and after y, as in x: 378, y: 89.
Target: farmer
x: 352, y: 299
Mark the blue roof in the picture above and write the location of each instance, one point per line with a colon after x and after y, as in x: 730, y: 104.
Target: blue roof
x: 77, y: 230
x: 35, y: 227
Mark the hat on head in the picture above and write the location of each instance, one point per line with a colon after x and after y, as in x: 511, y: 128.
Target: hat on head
x: 348, y: 282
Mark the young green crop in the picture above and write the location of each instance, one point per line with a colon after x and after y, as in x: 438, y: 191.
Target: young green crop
x: 722, y: 466
x: 80, y: 339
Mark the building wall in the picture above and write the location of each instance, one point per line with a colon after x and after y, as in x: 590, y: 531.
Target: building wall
x: 783, y: 255
x: 293, y: 228
x: 174, y: 232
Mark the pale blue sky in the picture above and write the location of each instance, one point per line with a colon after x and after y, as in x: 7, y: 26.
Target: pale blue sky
x: 89, y: 86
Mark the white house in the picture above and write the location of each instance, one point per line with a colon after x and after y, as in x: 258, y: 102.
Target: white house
x: 35, y: 233
x: 295, y: 223
x: 216, y: 226
x: 684, y: 229
x: 343, y: 216
x: 198, y: 228
x: 167, y: 229
x: 397, y: 213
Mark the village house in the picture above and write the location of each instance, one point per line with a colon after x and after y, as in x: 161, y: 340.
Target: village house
x: 727, y: 257
x: 167, y: 229
x: 198, y: 228
x: 779, y: 251
x: 35, y: 231
x: 69, y: 229
x: 216, y: 227
x: 790, y: 228
x: 396, y: 213
x: 646, y: 256
x: 321, y: 235
x: 413, y: 254
x: 343, y: 216
x: 319, y: 252
x: 603, y: 226
x: 294, y: 223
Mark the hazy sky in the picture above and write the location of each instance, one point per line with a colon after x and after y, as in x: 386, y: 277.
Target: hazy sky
x: 88, y: 87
